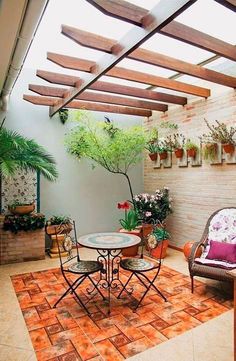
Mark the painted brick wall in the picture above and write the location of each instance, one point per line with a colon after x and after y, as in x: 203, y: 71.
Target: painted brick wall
x: 196, y: 192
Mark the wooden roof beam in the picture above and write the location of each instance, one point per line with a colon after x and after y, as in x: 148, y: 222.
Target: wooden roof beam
x: 158, y: 17
x: 99, y: 98
x: 70, y: 80
x: 204, y: 41
x: 78, y: 104
x: 127, y: 74
x: 230, y: 4
x: 101, y: 43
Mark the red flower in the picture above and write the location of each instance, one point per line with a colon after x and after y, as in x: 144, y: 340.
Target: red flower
x: 124, y: 205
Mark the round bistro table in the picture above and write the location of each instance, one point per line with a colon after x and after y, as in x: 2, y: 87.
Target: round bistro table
x: 109, y: 246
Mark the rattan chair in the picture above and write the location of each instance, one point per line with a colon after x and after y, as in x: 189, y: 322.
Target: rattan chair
x: 139, y: 267
x: 74, y: 265
x: 202, y: 270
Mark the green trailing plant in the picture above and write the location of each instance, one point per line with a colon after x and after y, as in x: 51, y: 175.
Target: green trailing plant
x: 26, y: 222
x: 16, y: 203
x: 163, y: 146
x: 63, y: 115
x: 191, y: 145
x: 219, y: 133
x: 116, y: 151
x: 152, y: 135
x: 152, y: 147
x: 168, y: 125
x: 209, y: 151
x: 160, y: 234
x: 20, y: 153
x: 56, y: 220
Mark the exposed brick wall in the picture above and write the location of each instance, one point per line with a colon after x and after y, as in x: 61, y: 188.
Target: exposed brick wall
x: 197, y: 192
x: 21, y: 247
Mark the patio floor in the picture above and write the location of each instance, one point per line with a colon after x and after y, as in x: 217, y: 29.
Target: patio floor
x: 111, y: 339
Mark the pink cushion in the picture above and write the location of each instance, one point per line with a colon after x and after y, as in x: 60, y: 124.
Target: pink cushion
x: 222, y: 251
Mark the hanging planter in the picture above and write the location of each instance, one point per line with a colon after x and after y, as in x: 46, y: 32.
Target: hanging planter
x: 153, y: 156
x: 163, y: 155
x: 191, y: 149
x: 191, y: 153
x: 179, y: 153
x: 228, y: 148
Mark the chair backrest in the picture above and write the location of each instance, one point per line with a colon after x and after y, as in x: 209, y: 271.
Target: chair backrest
x: 66, y: 238
x: 221, y: 226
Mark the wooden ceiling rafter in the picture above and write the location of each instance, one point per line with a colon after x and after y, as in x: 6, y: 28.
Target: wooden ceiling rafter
x: 230, y: 4
x: 104, y: 44
x: 98, y: 97
x: 155, y: 19
x: 79, y: 104
x: 70, y: 80
x: 118, y: 72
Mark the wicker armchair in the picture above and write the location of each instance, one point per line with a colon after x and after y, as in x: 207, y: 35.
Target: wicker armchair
x: 203, y: 270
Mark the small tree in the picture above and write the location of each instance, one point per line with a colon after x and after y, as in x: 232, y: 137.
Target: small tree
x: 113, y: 148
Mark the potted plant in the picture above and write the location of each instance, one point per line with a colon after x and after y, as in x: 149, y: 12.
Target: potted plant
x: 152, y: 148
x: 209, y: 151
x: 21, y: 208
x: 191, y: 148
x: 53, y: 224
x: 158, y: 242
x: 23, y: 222
x: 176, y: 143
x: 220, y: 134
x: 162, y: 149
x: 129, y: 225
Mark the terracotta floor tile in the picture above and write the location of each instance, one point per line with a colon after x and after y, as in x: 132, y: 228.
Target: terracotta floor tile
x: 159, y: 324
x: 108, y: 351
x: 62, y: 336
x: 87, y: 325
x: 39, y: 339
x: 32, y: 325
x: 84, y: 347
x: 152, y: 334
x: 135, y: 347
x: 54, y: 351
x: 31, y: 315
x: 66, y: 320
x: 70, y: 356
x: 119, y: 340
x: 54, y: 328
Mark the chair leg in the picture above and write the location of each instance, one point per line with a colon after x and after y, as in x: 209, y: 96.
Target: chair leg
x: 69, y: 290
x: 124, y: 286
x: 96, y: 287
x: 192, y: 284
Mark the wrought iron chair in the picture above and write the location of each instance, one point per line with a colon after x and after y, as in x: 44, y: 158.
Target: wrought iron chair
x: 139, y: 266
x: 82, y: 268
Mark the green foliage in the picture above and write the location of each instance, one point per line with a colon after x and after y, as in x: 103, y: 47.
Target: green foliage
x: 209, y: 151
x: 152, y: 147
x: 191, y: 145
x: 63, y: 115
x: 20, y: 153
x: 56, y: 220
x: 152, y: 135
x: 168, y: 125
x: 131, y: 220
x: 160, y: 234
x: 163, y: 146
x: 176, y: 141
x: 26, y: 222
x: 219, y: 133
x: 17, y: 203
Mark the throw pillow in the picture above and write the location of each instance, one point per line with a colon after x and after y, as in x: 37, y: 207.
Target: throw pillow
x: 222, y: 251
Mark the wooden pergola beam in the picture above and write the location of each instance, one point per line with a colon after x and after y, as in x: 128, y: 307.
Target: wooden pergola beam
x: 230, y: 4
x: 195, y: 37
x: 99, y: 98
x: 84, y: 105
x: 127, y: 74
x: 159, y: 16
x: 173, y: 29
x: 101, y: 43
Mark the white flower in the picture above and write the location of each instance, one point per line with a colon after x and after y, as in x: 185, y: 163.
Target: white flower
x: 148, y: 214
x: 166, y: 188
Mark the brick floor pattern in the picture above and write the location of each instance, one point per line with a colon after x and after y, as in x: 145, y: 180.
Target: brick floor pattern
x: 67, y: 333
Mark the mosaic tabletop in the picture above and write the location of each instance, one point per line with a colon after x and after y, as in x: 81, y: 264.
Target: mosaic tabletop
x: 108, y: 240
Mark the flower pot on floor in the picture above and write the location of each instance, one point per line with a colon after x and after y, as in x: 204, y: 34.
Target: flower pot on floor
x: 133, y: 250
x: 54, y: 252
x: 153, y: 156
x: 179, y: 153
x: 160, y: 250
x: 228, y: 148
x: 187, y: 250
x: 53, y: 229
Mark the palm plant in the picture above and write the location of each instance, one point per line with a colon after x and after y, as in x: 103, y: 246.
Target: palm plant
x: 20, y: 153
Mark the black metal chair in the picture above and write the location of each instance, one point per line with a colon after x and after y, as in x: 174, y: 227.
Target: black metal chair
x: 139, y: 266
x: 82, y: 268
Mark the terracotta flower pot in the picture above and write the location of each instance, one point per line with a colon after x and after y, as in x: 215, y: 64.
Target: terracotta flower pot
x: 179, y: 153
x: 153, y: 156
x: 163, y: 155
x: 228, y: 148
x: 131, y: 251
x: 160, y: 250
x: 24, y: 209
x: 191, y: 153
x: 53, y: 229
x: 187, y: 250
